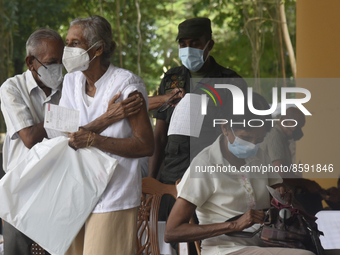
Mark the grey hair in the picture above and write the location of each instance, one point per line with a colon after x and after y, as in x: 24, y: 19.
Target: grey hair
x: 96, y: 28
x: 35, y: 39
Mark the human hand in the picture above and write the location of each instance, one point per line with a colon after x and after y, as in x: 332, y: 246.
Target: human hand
x: 118, y: 111
x: 175, y: 100
x: 81, y: 139
x: 248, y: 219
x: 286, y: 195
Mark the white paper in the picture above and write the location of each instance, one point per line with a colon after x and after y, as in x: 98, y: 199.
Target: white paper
x: 276, y: 194
x: 61, y: 118
x: 329, y: 223
x: 187, y: 118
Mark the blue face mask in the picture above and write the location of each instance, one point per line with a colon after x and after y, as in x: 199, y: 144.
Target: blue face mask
x: 192, y: 58
x: 241, y: 148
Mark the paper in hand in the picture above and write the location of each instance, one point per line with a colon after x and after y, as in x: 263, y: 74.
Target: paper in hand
x: 187, y: 119
x: 61, y: 118
x: 276, y: 195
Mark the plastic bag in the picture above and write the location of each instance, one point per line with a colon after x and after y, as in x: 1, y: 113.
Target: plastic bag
x: 49, y: 195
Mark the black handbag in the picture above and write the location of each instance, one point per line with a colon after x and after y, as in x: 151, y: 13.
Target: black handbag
x: 285, y: 226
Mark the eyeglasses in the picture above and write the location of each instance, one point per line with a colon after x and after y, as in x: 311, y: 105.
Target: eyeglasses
x: 166, y: 105
x: 41, y: 64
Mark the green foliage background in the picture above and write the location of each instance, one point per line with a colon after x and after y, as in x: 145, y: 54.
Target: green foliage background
x: 158, y: 30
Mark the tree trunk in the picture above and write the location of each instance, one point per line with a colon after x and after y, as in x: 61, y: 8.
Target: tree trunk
x: 287, y: 40
x: 139, y: 46
x: 118, y: 33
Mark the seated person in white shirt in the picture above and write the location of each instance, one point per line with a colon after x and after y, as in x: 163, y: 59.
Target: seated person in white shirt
x: 88, y: 87
x: 228, y: 194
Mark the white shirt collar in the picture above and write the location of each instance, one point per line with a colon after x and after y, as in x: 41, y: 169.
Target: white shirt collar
x: 105, y: 76
x: 31, y: 83
x: 101, y: 80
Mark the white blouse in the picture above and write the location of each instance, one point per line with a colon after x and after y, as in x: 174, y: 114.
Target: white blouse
x: 124, y: 189
x: 225, y: 195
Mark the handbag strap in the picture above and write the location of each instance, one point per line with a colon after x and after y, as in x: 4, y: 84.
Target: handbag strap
x: 314, y: 234
x: 245, y: 234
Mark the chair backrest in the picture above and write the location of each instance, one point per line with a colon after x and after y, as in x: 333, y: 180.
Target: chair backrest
x: 37, y: 250
x: 147, y: 230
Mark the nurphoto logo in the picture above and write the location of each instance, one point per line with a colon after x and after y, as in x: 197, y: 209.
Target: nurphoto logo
x: 238, y: 104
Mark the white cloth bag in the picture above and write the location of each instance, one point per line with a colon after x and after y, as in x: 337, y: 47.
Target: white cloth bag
x: 49, y: 195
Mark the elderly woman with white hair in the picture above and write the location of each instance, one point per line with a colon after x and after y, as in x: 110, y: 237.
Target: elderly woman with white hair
x: 92, y: 81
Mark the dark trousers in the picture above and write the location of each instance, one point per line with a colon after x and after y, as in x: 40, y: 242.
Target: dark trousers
x: 15, y: 242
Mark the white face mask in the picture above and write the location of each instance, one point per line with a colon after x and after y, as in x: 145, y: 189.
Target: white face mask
x: 241, y: 148
x: 51, y: 75
x: 76, y: 59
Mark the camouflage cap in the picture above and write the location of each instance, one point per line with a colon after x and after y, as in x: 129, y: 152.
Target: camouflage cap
x: 194, y: 28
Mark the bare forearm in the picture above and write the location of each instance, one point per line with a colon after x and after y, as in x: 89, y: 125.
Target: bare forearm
x: 190, y: 232
x: 116, y: 112
x: 100, y: 124
x: 178, y: 228
x: 156, y: 101
x: 132, y: 147
x: 33, y: 134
